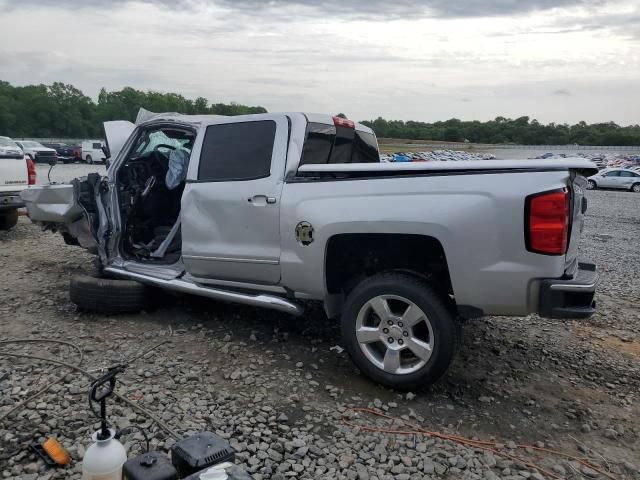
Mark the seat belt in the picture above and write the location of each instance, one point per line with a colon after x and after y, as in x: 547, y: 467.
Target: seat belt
x: 162, y: 249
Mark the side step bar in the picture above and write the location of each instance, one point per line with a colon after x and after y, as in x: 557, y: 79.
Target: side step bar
x: 258, y: 300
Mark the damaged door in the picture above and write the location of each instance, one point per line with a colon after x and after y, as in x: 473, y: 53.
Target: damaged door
x: 231, y: 203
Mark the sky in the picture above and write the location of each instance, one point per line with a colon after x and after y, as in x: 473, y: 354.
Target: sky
x: 557, y: 61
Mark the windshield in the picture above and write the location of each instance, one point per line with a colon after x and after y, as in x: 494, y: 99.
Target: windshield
x: 7, y: 142
x: 30, y: 144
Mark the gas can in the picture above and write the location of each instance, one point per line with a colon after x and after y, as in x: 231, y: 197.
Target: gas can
x: 149, y: 466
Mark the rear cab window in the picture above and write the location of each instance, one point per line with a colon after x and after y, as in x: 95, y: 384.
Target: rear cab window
x: 326, y: 144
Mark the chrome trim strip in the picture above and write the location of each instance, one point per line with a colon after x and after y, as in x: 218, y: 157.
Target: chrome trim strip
x: 259, y: 300
x: 229, y: 259
x: 576, y: 287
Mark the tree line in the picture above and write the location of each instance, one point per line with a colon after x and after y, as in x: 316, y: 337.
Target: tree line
x: 505, y: 130
x: 63, y: 111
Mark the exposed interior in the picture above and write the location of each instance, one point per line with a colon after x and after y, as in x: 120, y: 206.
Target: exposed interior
x: 150, y: 185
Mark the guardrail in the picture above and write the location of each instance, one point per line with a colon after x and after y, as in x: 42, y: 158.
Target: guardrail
x: 489, y: 146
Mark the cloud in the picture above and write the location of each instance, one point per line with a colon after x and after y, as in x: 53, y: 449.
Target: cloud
x: 338, y: 9
x: 562, y: 92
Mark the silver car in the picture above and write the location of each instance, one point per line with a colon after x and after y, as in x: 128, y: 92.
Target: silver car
x: 620, y: 178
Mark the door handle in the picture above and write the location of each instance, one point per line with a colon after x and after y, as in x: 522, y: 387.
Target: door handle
x: 261, y: 200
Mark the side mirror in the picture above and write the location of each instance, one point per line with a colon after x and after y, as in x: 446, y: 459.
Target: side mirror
x: 107, y: 163
x: 53, y: 162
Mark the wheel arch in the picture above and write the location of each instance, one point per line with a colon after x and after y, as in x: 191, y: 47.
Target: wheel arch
x: 353, y: 257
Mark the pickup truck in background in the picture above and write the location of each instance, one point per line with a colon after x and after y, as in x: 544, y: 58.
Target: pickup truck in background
x: 66, y: 153
x: 275, y: 210
x: 37, y: 152
x: 17, y: 172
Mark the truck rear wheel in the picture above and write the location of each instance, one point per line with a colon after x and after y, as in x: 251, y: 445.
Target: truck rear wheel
x: 8, y: 219
x: 399, y: 332
x: 107, y: 295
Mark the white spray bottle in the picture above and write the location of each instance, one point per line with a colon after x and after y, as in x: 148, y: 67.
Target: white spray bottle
x: 104, y: 459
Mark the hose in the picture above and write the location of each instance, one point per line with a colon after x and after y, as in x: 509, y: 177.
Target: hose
x: 84, y: 372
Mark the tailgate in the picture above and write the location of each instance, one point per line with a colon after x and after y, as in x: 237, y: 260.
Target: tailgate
x: 52, y: 204
x: 13, y: 173
x: 577, y: 187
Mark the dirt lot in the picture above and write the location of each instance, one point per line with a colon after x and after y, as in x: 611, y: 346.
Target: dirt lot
x: 278, y: 388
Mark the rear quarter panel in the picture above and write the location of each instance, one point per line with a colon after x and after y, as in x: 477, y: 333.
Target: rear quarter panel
x: 478, y: 219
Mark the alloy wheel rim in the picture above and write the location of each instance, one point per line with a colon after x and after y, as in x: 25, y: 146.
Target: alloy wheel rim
x: 394, y: 334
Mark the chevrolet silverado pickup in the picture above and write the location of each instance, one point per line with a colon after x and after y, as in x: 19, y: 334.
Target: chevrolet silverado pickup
x: 276, y: 210
x: 17, y: 172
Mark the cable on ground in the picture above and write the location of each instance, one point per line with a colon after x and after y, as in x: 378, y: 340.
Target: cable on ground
x: 408, y: 428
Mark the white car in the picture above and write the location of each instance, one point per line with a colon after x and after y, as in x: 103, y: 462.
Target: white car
x: 17, y: 172
x: 92, y: 151
x: 619, y: 178
x: 37, y: 152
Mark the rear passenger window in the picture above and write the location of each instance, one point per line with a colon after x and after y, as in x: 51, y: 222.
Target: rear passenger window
x: 237, y: 151
x: 97, y: 146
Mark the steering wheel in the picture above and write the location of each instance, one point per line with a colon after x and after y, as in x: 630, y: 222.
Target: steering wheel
x: 164, y: 145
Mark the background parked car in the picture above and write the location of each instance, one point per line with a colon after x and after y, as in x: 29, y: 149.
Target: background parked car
x: 36, y: 151
x: 65, y: 152
x: 619, y: 178
x: 92, y: 151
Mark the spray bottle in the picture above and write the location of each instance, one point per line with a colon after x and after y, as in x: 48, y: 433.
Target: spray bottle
x: 104, y: 459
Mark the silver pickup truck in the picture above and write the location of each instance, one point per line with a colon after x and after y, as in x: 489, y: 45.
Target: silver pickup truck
x: 275, y: 210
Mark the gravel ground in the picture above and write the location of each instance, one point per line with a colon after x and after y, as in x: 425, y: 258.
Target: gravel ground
x: 278, y: 389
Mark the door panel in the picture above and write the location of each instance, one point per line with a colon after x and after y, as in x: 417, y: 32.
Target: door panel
x: 609, y: 180
x: 627, y: 179
x: 231, y: 209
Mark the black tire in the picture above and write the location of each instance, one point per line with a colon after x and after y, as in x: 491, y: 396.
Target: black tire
x: 8, y: 219
x: 592, y: 185
x: 108, y: 295
x: 446, y: 330
x: 88, y: 159
x: 635, y: 187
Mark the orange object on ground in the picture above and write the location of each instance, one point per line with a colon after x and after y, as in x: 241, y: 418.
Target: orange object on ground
x: 56, y: 451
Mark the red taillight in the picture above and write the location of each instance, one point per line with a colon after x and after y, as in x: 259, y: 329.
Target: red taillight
x: 343, y: 122
x: 548, y: 222
x: 31, y: 171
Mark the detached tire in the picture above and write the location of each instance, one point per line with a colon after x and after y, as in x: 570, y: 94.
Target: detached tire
x: 399, y: 332
x: 8, y: 219
x: 109, y: 295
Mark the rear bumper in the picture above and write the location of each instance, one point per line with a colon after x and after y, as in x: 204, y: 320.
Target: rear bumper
x: 11, y: 201
x: 570, y: 298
